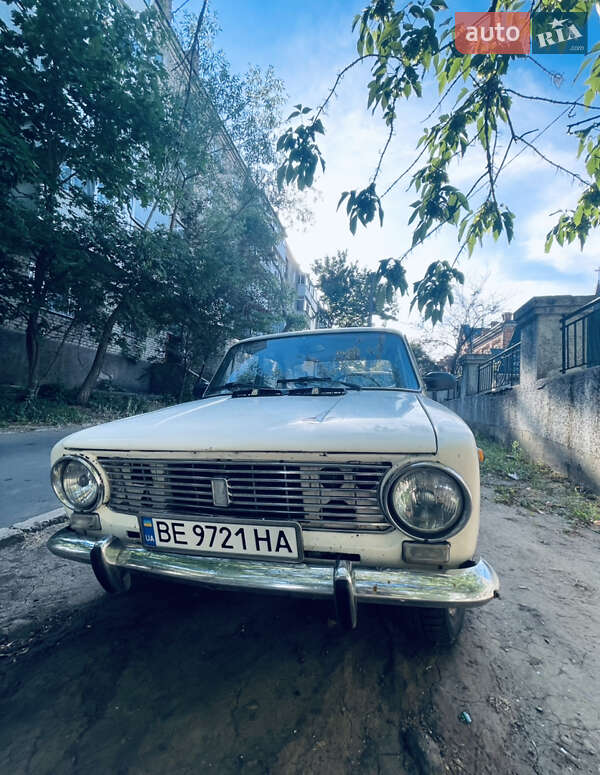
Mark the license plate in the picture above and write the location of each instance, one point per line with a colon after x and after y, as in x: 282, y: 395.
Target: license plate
x: 269, y: 541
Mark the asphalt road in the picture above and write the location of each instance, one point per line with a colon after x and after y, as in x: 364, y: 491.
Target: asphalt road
x: 181, y: 680
x: 24, y: 473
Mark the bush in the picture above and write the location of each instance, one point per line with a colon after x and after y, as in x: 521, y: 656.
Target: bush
x: 57, y: 406
x: 56, y: 392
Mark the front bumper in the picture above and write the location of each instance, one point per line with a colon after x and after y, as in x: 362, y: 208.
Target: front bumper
x: 349, y: 584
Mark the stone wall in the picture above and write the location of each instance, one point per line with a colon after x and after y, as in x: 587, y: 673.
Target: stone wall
x: 554, y: 416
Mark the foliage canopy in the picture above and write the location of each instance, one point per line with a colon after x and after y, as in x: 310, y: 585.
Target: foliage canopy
x: 122, y: 196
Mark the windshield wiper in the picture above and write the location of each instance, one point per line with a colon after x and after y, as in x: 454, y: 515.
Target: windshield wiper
x: 246, y: 388
x: 256, y: 391
x: 231, y: 386
x: 305, y: 380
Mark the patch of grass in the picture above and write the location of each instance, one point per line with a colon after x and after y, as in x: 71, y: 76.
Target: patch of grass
x: 519, y: 481
x: 510, y: 462
x: 60, y: 409
x: 583, y: 509
x: 506, y: 495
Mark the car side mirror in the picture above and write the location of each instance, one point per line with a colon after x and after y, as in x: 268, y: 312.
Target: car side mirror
x: 200, y: 387
x: 440, y: 380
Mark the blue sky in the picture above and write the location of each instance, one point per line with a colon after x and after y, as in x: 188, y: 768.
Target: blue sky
x: 307, y: 43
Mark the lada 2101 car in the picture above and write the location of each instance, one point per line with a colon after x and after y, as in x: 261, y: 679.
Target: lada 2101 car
x: 313, y: 465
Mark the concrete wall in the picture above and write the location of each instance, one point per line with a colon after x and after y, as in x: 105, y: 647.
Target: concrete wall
x: 557, y: 421
x: 555, y: 416
x: 71, y: 365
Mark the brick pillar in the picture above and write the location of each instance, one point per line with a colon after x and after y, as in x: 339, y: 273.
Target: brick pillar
x: 470, y: 365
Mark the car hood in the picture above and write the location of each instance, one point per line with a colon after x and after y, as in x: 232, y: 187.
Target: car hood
x: 365, y: 421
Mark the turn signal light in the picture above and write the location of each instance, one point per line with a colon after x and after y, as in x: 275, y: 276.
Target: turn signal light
x: 425, y: 554
x: 480, y: 454
x: 85, y: 521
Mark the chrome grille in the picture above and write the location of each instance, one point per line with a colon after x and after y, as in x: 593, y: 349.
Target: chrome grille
x: 335, y: 496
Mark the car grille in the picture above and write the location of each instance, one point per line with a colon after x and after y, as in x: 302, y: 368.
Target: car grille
x: 333, y: 496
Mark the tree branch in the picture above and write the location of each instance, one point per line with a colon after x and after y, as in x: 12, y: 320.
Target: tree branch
x: 584, y: 121
x: 488, y: 155
x: 570, y: 103
x: 554, y: 164
x: 192, y: 72
x: 67, y: 179
x: 402, y: 174
x: 557, y: 78
x: 442, y: 98
x: 385, y: 147
x: 339, y: 77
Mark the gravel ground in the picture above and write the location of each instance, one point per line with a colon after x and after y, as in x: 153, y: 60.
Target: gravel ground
x: 171, y: 679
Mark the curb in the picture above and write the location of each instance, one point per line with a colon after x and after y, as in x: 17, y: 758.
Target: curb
x: 16, y: 533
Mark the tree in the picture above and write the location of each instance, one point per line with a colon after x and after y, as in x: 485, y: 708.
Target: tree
x: 248, y: 105
x: 82, y: 92
x: 221, y: 153
x: 342, y: 285
x: 129, y: 285
x: 424, y: 361
x: 474, y: 309
x: 129, y: 136
x: 189, y: 207
x: 205, y: 284
x: 226, y: 289
x: 352, y: 296
x: 407, y: 49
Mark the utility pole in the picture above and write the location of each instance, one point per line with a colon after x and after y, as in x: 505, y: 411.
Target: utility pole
x: 598, y: 281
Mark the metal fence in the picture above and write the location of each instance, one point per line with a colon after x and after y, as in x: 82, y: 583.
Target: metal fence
x: 581, y: 336
x: 502, y: 370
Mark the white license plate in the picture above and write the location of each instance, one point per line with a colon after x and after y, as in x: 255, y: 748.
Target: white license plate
x: 275, y: 541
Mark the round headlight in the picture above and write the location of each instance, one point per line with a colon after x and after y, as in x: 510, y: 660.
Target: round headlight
x: 426, y: 501
x: 77, y: 483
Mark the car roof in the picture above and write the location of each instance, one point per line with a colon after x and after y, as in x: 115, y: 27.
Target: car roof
x: 313, y: 331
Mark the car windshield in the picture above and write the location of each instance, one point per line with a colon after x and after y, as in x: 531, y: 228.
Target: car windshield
x: 370, y: 360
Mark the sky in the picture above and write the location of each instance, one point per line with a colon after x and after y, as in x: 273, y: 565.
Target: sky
x: 307, y: 43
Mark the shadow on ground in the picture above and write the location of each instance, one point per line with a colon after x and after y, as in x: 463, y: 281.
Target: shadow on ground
x: 172, y: 679
x: 175, y: 680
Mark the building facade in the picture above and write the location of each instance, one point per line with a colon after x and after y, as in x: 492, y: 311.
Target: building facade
x: 490, y: 339
x: 305, y: 298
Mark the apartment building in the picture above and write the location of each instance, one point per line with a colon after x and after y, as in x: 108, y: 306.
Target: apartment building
x: 306, y: 300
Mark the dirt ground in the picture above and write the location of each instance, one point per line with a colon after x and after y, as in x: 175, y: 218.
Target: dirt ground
x: 177, y: 680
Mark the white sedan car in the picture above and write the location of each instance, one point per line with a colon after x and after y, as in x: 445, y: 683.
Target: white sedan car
x: 313, y: 465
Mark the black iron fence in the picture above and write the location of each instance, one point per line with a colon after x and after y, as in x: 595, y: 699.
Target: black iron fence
x: 502, y: 370
x: 581, y: 336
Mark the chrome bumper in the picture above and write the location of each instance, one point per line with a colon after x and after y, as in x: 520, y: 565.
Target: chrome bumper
x: 112, y: 558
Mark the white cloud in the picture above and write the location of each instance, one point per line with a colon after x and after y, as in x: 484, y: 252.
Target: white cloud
x: 570, y: 258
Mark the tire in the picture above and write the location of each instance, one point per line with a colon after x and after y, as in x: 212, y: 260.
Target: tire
x: 115, y: 581
x: 441, y: 626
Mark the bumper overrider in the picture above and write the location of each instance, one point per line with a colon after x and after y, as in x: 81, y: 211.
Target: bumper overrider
x: 347, y: 583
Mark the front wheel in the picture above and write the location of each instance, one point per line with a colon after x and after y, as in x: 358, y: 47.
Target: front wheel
x: 115, y: 580
x: 441, y: 626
